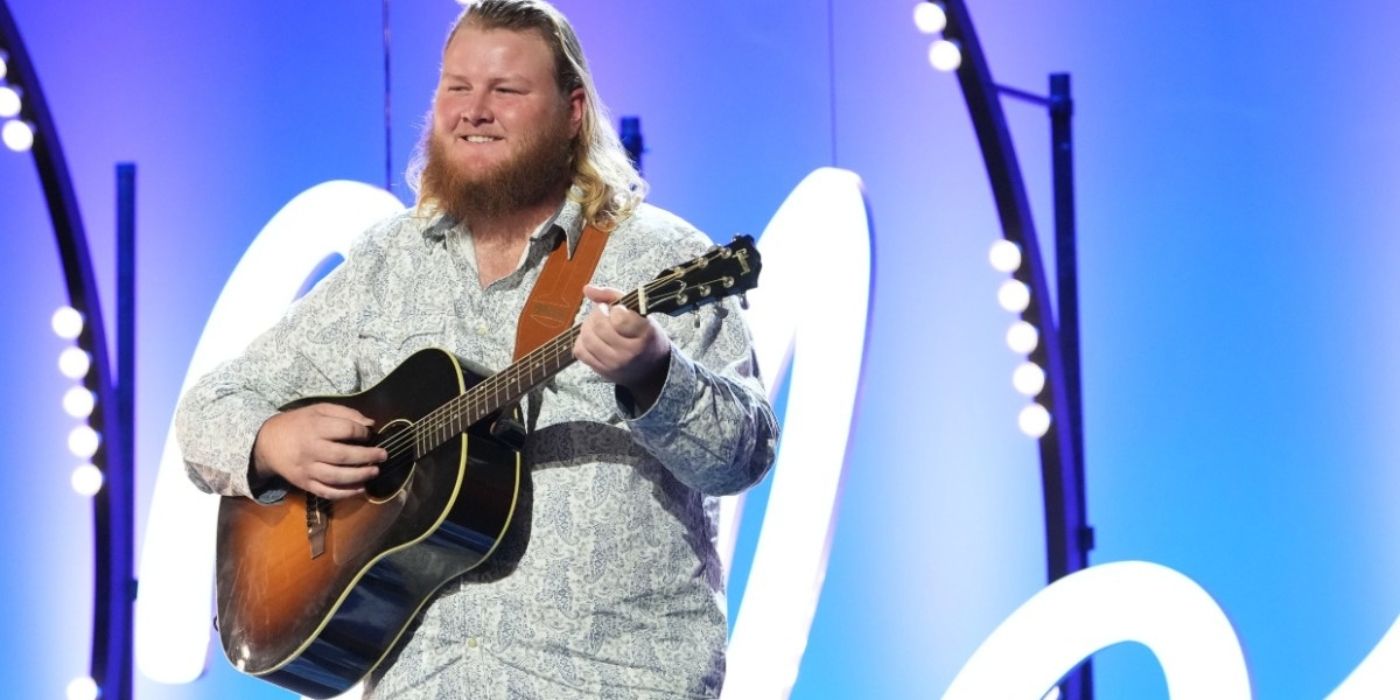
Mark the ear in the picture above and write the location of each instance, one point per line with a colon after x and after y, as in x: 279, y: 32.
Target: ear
x: 578, y: 101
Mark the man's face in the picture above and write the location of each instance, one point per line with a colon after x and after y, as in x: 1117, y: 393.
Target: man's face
x: 500, y: 125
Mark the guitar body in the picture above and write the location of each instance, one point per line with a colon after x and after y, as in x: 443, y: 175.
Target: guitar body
x: 316, y: 620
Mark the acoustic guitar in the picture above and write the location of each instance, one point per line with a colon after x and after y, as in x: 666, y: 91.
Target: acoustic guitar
x: 312, y: 595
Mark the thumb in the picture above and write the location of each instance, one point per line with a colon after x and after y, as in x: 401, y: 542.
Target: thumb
x: 601, y: 295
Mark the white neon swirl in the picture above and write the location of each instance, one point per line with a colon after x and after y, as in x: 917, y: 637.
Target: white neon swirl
x: 1130, y: 601
x: 177, y: 558
x: 1378, y: 675
x: 829, y: 312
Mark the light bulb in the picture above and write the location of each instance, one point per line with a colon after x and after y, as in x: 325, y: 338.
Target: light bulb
x: 1004, y: 256
x: 17, y: 135
x: 1014, y: 296
x: 930, y: 18
x: 1028, y: 379
x: 945, y: 55
x: 67, y: 322
x: 86, y: 480
x: 1022, y: 337
x: 83, y: 442
x: 74, y: 363
x: 78, y: 402
x: 1034, y: 420
x: 9, y: 101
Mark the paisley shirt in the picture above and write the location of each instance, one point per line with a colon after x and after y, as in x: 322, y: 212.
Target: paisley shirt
x: 607, y: 583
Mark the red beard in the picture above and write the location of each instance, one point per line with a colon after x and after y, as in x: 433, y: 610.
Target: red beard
x: 540, y: 171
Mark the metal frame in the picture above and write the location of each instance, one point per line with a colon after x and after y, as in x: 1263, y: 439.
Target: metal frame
x: 1068, y: 536
x: 113, y: 580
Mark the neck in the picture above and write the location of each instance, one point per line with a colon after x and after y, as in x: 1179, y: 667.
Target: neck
x: 511, y: 228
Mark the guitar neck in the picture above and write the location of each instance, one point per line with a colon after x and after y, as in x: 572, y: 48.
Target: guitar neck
x: 719, y: 273
x: 507, y: 386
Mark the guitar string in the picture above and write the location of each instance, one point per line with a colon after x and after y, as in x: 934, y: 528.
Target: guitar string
x: 451, y: 413
x: 476, y: 398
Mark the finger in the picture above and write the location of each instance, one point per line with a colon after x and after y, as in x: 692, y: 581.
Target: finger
x: 601, y: 295
x: 628, y: 323
x: 331, y: 492
x: 330, y: 428
x: 336, y: 410
x: 600, y: 326
x: 343, y: 454
x: 586, y: 355
x: 337, y: 476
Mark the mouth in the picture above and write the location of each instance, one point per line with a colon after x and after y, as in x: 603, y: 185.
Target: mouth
x: 475, y: 138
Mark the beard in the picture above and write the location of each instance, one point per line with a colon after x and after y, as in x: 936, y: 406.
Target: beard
x: 539, y: 171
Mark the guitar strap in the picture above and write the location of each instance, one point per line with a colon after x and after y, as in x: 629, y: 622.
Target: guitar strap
x: 558, y: 292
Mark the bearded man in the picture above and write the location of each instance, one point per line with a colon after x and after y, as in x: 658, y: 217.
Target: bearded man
x: 607, y: 582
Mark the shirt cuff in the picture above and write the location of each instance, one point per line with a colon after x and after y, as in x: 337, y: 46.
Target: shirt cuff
x: 672, y: 403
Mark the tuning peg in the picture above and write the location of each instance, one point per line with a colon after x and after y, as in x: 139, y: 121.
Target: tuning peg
x: 744, y: 301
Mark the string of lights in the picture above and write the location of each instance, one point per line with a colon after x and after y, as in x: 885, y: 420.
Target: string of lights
x: 101, y: 442
x: 1049, y: 375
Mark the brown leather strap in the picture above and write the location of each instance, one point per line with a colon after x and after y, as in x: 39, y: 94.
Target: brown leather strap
x: 558, y: 292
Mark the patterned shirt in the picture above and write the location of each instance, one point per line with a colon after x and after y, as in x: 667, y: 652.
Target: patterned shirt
x: 610, y: 586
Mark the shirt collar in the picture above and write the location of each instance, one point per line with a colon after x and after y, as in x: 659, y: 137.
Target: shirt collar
x: 568, y: 220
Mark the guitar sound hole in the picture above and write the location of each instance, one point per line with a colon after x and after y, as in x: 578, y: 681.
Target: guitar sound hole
x: 394, y: 472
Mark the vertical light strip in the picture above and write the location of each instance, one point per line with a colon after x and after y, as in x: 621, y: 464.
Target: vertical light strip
x: 820, y: 293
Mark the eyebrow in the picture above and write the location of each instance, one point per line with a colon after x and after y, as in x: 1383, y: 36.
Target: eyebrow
x: 500, y: 79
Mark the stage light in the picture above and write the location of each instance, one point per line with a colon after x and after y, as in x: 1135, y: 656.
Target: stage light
x: 1034, y: 420
x: 930, y: 18
x: 78, y: 402
x: 83, y: 689
x: 86, y: 480
x: 67, y: 322
x: 83, y: 441
x: 1022, y: 337
x: 74, y: 363
x: 18, y: 135
x: 4, y: 65
x: 1028, y: 379
x: 1004, y: 256
x: 945, y: 55
x: 1014, y: 296
x: 9, y: 101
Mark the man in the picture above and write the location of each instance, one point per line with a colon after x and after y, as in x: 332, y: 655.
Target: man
x: 607, y: 583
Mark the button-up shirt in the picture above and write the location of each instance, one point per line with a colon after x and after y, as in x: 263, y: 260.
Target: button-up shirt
x: 610, y: 586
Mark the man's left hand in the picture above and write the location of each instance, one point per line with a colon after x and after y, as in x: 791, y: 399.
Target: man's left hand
x: 623, y: 346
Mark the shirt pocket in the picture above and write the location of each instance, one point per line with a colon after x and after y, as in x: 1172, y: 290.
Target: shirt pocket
x: 385, y: 343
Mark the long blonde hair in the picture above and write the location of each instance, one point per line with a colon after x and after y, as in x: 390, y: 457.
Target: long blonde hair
x: 604, y: 183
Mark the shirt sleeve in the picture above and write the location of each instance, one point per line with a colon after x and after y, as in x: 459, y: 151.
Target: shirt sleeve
x: 711, y: 425
x: 307, y: 353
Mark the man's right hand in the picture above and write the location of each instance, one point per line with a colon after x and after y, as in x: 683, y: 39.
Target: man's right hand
x: 313, y: 448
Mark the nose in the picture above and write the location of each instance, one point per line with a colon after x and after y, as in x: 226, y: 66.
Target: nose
x: 476, y: 109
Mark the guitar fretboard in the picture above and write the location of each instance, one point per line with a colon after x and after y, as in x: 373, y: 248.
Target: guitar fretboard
x: 500, y: 389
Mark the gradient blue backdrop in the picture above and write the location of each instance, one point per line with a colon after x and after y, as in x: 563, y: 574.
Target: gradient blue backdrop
x: 1237, y: 168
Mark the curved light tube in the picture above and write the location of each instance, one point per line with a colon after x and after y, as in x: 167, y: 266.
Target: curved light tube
x: 177, y: 561
x: 1095, y: 608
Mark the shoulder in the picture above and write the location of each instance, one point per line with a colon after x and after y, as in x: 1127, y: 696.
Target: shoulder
x: 654, y: 232
x: 396, y: 234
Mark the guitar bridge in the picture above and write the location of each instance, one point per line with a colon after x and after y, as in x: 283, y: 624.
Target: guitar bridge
x: 318, y: 515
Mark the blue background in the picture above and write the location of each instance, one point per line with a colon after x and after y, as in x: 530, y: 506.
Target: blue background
x: 1237, y: 171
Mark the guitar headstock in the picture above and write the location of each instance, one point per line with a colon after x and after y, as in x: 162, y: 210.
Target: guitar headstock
x: 721, y: 272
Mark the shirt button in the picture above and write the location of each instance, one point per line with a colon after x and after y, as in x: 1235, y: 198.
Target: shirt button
x: 471, y: 642
x: 481, y: 328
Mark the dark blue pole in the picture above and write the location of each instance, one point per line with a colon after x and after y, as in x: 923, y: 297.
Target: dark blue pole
x: 121, y: 467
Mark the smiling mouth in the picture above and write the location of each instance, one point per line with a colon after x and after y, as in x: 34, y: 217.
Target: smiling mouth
x: 481, y: 139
